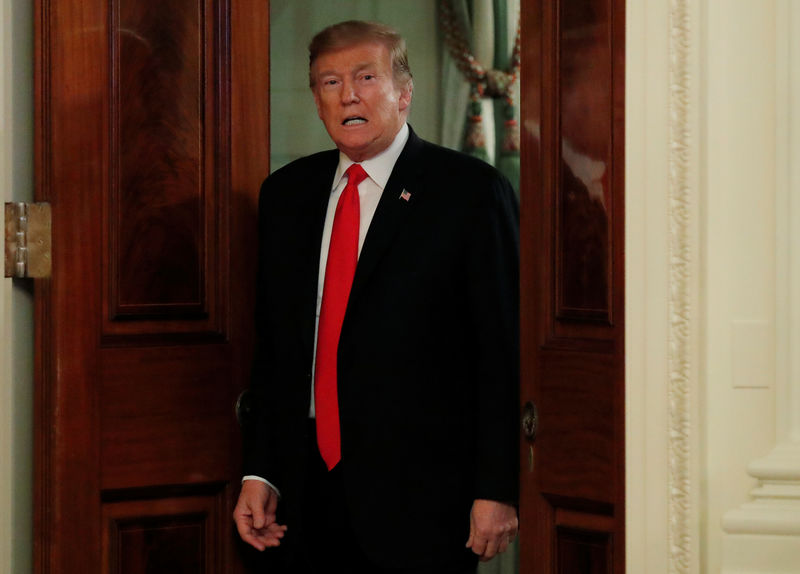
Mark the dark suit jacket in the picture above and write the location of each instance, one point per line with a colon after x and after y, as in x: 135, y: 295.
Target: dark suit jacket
x: 428, y: 362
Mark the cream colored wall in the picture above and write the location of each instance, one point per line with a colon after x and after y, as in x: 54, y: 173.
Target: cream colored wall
x: 710, y: 299
x: 296, y: 129
x: 738, y: 239
x: 16, y: 319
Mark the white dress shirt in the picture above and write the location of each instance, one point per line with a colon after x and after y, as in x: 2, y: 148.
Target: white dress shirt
x: 378, y: 169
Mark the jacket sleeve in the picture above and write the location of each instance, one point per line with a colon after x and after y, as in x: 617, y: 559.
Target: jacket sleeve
x: 493, y: 295
x: 256, y: 421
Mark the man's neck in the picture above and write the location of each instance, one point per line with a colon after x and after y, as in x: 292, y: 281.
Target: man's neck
x: 379, y: 166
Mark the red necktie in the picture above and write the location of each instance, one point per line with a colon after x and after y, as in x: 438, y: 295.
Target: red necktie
x: 339, y: 272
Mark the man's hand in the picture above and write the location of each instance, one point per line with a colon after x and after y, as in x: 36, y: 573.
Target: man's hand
x: 254, y: 515
x: 492, y: 527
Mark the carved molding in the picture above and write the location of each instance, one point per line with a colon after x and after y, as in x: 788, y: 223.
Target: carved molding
x: 682, y: 357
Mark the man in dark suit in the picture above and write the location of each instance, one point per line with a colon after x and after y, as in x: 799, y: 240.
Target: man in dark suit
x: 383, y: 434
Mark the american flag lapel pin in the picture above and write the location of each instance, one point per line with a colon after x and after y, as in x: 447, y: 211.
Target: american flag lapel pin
x: 405, y: 196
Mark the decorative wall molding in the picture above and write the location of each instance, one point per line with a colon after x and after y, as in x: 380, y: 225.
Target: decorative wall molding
x: 683, y: 289
x: 775, y: 508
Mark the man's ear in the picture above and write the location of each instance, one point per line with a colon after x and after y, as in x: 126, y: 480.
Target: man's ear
x: 405, y: 96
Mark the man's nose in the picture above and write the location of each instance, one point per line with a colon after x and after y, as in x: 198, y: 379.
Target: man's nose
x: 349, y: 93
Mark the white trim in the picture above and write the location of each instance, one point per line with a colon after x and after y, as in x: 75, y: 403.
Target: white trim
x: 662, y: 286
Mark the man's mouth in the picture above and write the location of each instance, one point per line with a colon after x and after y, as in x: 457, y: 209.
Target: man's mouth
x: 354, y: 121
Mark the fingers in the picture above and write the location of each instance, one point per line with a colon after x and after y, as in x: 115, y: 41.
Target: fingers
x: 487, y: 548
x: 477, y: 543
x: 259, y: 538
x: 496, y: 546
x: 254, y: 516
x: 490, y: 551
x: 244, y: 525
x: 258, y: 516
x: 493, y: 526
x: 478, y: 540
x: 264, y: 538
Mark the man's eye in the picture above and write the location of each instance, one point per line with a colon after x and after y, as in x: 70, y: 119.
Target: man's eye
x: 368, y: 76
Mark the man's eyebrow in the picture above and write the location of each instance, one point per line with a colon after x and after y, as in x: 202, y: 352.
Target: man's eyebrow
x: 358, y: 68
x: 326, y: 73
x: 364, y: 66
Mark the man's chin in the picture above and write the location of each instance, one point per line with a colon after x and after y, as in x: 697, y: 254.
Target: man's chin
x: 358, y: 150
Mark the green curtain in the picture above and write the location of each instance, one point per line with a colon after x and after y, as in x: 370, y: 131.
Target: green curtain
x: 506, y: 16
x: 480, y: 113
x: 455, y: 89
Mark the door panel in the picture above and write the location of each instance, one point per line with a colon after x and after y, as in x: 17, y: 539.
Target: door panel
x: 171, y: 534
x: 572, y: 272
x: 152, y: 140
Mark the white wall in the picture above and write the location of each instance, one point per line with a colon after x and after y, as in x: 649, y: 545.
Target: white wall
x: 296, y: 129
x: 16, y: 308
x: 738, y: 240
x: 712, y: 306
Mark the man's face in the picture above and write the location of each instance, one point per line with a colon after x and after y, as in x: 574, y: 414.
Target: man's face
x: 357, y: 100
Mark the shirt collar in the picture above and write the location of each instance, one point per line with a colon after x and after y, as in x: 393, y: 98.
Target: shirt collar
x: 379, y: 167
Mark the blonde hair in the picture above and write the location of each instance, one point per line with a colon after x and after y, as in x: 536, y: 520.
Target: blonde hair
x: 354, y: 32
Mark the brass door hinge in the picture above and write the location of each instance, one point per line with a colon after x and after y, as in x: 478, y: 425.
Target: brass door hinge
x: 28, y: 240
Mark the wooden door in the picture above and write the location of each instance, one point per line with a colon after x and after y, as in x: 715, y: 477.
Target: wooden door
x: 572, y: 272
x: 152, y: 139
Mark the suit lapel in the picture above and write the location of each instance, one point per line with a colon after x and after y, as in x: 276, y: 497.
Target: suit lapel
x: 398, y: 199
x: 319, y: 193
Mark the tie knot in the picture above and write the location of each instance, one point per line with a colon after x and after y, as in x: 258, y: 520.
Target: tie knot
x: 355, y: 174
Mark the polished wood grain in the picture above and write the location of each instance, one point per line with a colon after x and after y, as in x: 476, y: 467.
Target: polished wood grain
x: 69, y: 116
x: 159, y: 135
x: 536, y: 544
x: 169, y: 423
x: 583, y: 552
x: 174, y: 546
x: 168, y: 534
x: 167, y: 204
x: 144, y: 332
x: 576, y: 447
x: 584, y: 202
x: 572, y: 285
